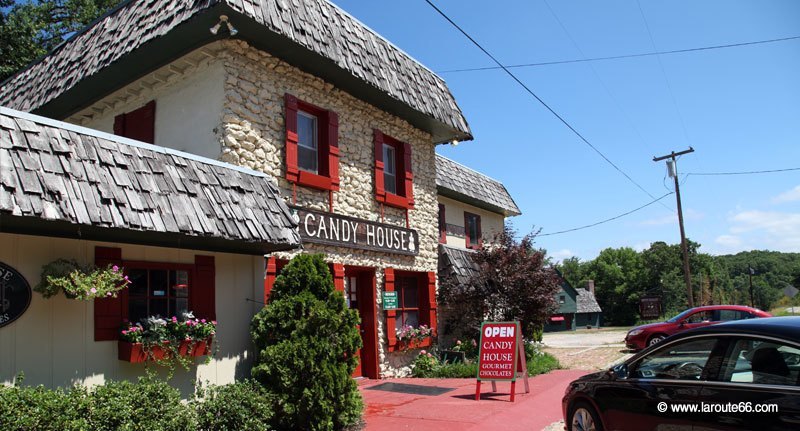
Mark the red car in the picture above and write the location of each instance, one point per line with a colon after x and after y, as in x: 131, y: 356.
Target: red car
x: 646, y: 335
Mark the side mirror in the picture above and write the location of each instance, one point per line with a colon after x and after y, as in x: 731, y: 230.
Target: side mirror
x: 620, y: 371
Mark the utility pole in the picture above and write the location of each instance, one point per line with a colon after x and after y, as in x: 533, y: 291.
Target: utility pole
x: 673, y: 172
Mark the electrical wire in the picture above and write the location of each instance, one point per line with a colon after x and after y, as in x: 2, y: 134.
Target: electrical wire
x: 619, y: 57
x: 743, y: 173
x: 539, y: 99
x: 609, y: 219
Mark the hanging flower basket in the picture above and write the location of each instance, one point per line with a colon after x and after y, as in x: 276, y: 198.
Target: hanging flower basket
x: 80, y: 281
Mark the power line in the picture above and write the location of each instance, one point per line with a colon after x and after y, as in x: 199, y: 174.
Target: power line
x: 609, y: 219
x: 560, y: 118
x: 619, y: 57
x: 743, y: 173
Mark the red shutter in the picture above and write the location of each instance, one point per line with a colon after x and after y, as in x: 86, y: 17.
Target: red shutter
x: 290, y: 118
x: 480, y: 234
x: 409, y: 175
x: 139, y: 124
x: 202, y: 292
x: 442, y: 225
x: 119, y: 125
x: 380, y: 193
x: 108, y: 311
x: 269, y: 276
x: 427, y: 306
x: 338, y: 276
x: 333, y: 149
x: 388, y: 286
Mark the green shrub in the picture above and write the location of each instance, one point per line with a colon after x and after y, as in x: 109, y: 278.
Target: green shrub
x: 539, y: 363
x: 149, y: 405
x: 239, y: 406
x: 42, y: 409
x: 307, y: 342
x: 542, y: 363
x: 424, y: 365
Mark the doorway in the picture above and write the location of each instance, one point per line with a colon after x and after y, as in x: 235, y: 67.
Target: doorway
x: 361, y: 295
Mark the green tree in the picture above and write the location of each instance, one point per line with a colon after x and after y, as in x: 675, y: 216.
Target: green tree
x: 307, y: 341
x: 617, y: 275
x: 30, y: 29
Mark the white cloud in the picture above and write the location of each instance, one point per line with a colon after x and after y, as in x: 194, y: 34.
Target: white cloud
x: 788, y: 196
x: 767, y: 229
x: 560, y: 255
x: 730, y: 241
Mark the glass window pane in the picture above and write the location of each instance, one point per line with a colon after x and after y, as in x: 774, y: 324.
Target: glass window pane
x: 682, y: 361
x: 138, y: 286
x: 179, y: 284
x: 411, y: 318
x: 178, y: 306
x: 306, y: 130
x: 409, y: 292
x: 158, y: 282
x: 762, y: 362
x: 137, y: 309
x: 159, y: 307
x: 472, y: 229
x: 307, y: 159
x: 389, y: 183
x: 389, y: 162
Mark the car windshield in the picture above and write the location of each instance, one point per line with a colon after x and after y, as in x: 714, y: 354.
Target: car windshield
x: 680, y: 316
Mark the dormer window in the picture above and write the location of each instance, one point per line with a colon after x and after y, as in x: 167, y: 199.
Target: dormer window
x: 393, y: 177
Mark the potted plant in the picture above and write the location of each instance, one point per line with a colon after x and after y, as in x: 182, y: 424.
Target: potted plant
x: 81, y: 281
x: 167, y: 341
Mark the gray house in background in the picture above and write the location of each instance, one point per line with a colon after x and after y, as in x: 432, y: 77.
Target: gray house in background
x: 577, y: 308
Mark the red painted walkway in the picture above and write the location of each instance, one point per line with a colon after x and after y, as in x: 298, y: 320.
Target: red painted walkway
x: 458, y: 410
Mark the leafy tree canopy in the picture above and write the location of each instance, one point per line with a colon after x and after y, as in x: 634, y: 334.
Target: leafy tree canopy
x: 30, y: 29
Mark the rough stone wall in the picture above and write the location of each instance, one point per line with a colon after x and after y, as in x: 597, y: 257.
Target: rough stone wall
x: 253, y: 136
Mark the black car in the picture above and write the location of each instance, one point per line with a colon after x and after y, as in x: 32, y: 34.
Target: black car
x: 741, y: 375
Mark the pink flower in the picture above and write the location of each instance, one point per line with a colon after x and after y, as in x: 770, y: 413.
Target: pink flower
x: 124, y: 332
x: 429, y: 355
x: 174, y: 319
x: 422, y: 352
x: 115, y: 268
x: 214, y: 322
x: 108, y: 295
x: 458, y: 342
x: 474, y: 343
x: 93, y: 290
x: 203, y: 321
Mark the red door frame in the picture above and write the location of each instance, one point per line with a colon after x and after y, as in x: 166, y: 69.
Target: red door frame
x: 368, y: 310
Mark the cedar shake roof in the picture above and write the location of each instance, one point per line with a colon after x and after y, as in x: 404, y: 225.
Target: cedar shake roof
x: 587, y: 303
x: 314, y: 35
x: 461, y: 183
x: 457, y: 263
x: 58, y: 179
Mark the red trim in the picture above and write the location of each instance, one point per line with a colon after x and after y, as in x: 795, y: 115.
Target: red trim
x: 470, y: 241
x: 391, y: 315
x: 108, y: 311
x: 426, y: 285
x: 557, y: 318
x: 270, y: 272
x: 337, y: 269
x: 202, y: 295
x: 327, y: 177
x: 138, y: 124
x: 442, y: 225
x: 405, y: 177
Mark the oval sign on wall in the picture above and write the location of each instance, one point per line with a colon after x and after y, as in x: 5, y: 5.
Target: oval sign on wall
x: 15, y: 294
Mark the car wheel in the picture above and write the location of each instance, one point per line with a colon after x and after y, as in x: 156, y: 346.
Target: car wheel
x: 655, y: 339
x: 584, y: 418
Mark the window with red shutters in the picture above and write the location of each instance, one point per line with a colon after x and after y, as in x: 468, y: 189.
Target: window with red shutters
x: 165, y: 289
x: 139, y: 124
x: 472, y: 230
x: 416, y: 300
x: 442, y: 225
x: 393, y: 174
x: 312, y: 145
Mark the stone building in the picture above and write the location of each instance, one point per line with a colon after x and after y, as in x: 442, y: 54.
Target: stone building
x: 342, y: 121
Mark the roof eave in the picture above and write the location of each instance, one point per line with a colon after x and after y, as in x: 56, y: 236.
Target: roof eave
x: 194, y: 33
x: 452, y: 194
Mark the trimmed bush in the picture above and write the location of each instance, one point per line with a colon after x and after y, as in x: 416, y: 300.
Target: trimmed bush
x: 307, y: 342
x: 42, y: 409
x: 540, y: 363
x: 149, y: 405
x: 239, y: 406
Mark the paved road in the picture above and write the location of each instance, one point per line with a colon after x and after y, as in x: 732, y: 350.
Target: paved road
x: 586, y: 338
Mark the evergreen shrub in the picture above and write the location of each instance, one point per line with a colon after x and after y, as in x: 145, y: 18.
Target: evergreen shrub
x: 243, y: 405
x: 149, y: 405
x: 306, y: 339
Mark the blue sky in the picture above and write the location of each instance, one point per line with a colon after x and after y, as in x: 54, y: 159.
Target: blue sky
x: 738, y: 107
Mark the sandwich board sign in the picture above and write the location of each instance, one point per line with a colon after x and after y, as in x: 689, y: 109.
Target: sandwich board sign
x: 501, y: 356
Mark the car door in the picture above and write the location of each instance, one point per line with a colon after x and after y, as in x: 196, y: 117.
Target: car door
x: 759, y: 379
x: 670, y: 375
x: 699, y: 319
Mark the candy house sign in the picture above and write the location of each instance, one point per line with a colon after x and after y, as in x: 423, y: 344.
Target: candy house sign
x: 343, y: 231
x: 15, y: 294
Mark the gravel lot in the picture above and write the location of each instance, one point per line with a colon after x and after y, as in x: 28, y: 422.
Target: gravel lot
x: 588, y: 349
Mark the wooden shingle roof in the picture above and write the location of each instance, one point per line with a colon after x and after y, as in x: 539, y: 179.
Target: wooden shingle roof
x: 459, y: 182
x: 63, y: 180
x: 315, y: 35
x: 457, y: 263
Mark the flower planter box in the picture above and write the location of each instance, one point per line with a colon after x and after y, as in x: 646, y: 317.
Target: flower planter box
x: 134, y: 352
x: 405, y: 345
